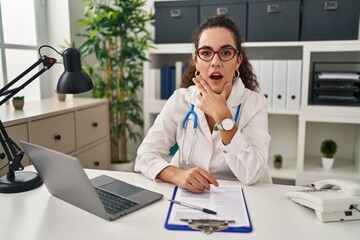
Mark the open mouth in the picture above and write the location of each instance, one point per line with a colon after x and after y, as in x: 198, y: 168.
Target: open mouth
x: 216, y: 77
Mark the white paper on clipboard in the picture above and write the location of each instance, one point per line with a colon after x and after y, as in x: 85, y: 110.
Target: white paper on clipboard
x: 228, y: 201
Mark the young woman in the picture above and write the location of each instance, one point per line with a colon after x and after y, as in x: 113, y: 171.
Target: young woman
x: 217, y: 118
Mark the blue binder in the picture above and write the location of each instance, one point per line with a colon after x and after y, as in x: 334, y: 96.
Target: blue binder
x: 168, y: 81
x: 165, y: 82
x: 172, y: 80
x: 185, y: 227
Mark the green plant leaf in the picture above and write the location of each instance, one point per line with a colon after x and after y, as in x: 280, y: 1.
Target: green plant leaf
x: 328, y: 148
x: 115, y: 33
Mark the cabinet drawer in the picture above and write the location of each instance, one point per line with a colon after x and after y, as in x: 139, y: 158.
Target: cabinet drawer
x: 56, y: 133
x: 175, y: 21
x: 235, y: 9
x: 96, y: 157
x: 16, y: 133
x: 271, y: 20
x: 92, y: 124
x: 330, y: 20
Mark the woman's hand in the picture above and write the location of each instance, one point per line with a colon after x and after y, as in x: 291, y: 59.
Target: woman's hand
x: 211, y: 103
x: 194, y: 179
x: 215, y: 106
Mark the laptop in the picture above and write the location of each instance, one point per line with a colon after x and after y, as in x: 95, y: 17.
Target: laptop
x: 103, y: 196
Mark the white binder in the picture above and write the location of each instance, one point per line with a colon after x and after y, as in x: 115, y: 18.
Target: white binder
x: 178, y: 73
x: 154, y: 83
x: 266, y: 80
x: 255, y: 67
x: 279, y: 84
x: 293, y: 85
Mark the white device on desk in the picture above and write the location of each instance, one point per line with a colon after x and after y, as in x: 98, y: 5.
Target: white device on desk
x: 332, y: 199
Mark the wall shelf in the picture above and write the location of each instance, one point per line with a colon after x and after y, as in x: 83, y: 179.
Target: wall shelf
x: 289, y: 129
x: 287, y: 171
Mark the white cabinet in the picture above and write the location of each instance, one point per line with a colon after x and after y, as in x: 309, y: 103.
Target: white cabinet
x: 296, y: 131
x: 315, y: 128
x: 57, y: 132
x: 317, y: 123
x: 91, y: 124
x: 78, y: 127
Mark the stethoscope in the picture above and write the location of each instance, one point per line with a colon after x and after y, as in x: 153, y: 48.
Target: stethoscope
x: 195, y: 124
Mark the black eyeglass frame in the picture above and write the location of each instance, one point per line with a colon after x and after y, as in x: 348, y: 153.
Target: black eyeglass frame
x: 236, y: 52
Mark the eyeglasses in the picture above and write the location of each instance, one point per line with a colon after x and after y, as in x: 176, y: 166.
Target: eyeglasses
x: 225, y: 54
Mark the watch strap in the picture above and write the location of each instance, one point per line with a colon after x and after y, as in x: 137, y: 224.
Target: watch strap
x: 218, y: 127
x: 224, y: 125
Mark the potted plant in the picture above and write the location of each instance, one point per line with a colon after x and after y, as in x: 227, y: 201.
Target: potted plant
x: 61, y: 96
x: 278, y: 161
x: 328, y: 149
x: 18, y: 102
x: 116, y: 34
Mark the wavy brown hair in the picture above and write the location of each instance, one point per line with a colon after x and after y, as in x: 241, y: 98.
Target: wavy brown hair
x: 245, y: 68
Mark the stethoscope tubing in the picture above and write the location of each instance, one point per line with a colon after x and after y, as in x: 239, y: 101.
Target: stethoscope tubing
x: 195, y: 123
x: 190, y: 112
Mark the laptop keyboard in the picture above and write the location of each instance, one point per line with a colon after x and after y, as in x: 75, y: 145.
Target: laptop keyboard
x: 114, y: 203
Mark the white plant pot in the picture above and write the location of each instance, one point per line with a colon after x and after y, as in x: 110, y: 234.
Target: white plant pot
x: 327, y: 163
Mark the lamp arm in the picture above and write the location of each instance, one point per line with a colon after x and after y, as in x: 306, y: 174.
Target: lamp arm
x: 2, y: 91
x: 47, y: 62
x: 12, y: 151
x: 73, y: 80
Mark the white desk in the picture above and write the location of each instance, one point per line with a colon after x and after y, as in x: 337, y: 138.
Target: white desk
x: 37, y: 215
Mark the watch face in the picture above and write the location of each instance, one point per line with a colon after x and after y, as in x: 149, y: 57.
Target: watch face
x: 227, y: 124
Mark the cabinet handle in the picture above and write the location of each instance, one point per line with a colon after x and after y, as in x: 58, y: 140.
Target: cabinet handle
x: 265, y: 95
x: 175, y: 13
x: 57, y: 137
x: 330, y: 5
x: 97, y: 163
x: 293, y: 97
x: 279, y: 96
x: 221, y: 10
x: 95, y: 124
x: 273, y: 8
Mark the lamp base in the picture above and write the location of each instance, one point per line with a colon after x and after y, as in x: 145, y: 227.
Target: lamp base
x: 24, y: 181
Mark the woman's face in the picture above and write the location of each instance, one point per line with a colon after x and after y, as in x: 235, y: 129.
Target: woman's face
x: 217, y: 72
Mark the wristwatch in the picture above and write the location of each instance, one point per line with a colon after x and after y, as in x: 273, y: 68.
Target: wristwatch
x: 226, y: 125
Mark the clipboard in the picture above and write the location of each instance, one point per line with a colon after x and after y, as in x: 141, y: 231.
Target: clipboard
x: 186, y: 227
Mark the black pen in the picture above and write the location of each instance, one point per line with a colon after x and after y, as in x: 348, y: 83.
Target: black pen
x: 193, y: 206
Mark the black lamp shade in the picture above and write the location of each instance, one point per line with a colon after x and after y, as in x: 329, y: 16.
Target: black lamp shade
x: 74, y: 79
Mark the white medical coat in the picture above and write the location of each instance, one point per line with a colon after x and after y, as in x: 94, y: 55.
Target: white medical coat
x: 243, y: 159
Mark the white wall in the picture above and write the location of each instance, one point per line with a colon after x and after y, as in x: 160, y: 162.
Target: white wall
x: 62, y: 18
x: 58, y: 29
x: 62, y: 23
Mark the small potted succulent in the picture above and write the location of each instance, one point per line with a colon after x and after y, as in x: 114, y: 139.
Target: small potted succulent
x: 18, y: 102
x: 328, y: 149
x: 278, y: 161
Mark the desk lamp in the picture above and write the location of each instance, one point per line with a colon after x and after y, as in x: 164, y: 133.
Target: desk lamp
x: 73, y: 80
